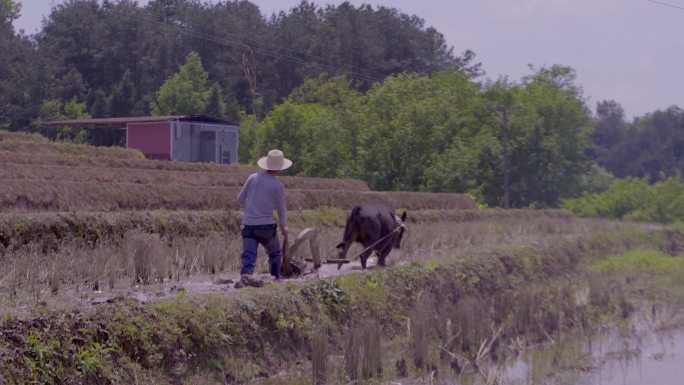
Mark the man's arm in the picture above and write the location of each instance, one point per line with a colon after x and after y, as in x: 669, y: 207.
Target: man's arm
x: 242, y: 196
x: 282, y: 210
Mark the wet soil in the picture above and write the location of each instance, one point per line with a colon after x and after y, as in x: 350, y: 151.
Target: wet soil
x: 197, y: 284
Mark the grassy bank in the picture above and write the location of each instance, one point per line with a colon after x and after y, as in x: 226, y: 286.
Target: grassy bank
x: 526, y: 291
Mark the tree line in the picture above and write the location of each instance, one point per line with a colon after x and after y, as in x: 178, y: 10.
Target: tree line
x: 345, y: 91
x: 113, y: 56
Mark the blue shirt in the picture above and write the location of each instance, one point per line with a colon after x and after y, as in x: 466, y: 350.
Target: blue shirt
x: 261, y: 195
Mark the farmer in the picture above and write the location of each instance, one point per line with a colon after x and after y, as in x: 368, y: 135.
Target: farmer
x: 261, y: 194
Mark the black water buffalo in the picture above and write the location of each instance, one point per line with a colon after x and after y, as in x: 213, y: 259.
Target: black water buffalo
x: 373, y: 225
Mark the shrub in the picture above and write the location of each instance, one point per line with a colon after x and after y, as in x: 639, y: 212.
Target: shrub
x: 22, y: 136
x: 633, y: 198
x: 623, y: 197
x: 665, y: 203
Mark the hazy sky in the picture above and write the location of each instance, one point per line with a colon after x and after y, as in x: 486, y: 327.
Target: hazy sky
x: 628, y: 50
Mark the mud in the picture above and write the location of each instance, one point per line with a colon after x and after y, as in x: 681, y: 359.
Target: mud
x: 197, y: 284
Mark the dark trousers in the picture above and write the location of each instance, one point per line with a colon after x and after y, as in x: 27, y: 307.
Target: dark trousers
x: 267, y: 236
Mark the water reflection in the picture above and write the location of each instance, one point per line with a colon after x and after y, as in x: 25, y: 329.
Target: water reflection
x: 659, y: 360
x: 631, y: 356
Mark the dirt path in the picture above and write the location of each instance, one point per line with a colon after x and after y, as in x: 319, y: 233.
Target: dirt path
x: 219, y: 283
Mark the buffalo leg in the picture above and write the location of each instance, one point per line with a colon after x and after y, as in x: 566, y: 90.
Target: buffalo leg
x: 346, y: 243
x: 364, y: 258
x: 383, y: 254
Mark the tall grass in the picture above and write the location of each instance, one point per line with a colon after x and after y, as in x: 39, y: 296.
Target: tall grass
x: 372, y: 349
x: 319, y: 355
x: 363, y: 350
x: 352, y: 353
x: 420, y: 326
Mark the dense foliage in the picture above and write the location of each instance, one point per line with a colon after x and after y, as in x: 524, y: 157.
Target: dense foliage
x: 113, y: 56
x: 436, y: 133
x: 652, y: 146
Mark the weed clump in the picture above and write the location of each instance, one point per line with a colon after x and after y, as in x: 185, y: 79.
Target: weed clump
x: 363, y: 351
x: 319, y: 355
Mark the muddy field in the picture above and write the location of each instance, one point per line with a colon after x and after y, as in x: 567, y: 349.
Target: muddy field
x: 102, y: 256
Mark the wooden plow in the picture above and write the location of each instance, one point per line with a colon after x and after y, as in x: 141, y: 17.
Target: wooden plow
x: 294, y: 264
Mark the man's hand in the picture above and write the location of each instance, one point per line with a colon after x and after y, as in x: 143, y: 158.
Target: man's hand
x: 284, y: 231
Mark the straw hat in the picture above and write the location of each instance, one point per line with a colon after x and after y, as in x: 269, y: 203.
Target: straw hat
x: 275, y: 161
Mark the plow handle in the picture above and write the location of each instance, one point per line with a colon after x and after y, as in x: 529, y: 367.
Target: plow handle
x: 287, y: 266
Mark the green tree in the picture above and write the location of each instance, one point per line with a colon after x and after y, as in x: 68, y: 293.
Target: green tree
x: 410, y: 123
x: 58, y: 110
x: 248, y: 139
x: 100, y: 106
x: 625, y: 196
x: 19, y: 72
x: 610, y: 125
x: 549, y: 139
x: 215, y: 104
x: 652, y: 147
x: 86, y: 45
x: 317, y: 126
x: 504, y: 99
x: 185, y: 92
x: 123, y: 99
x: 9, y: 11
x: 633, y: 198
x: 665, y: 202
x: 596, y: 179
x: 290, y: 127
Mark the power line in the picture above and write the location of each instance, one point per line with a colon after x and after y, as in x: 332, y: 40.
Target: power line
x: 257, y: 43
x: 665, y: 4
x: 263, y: 50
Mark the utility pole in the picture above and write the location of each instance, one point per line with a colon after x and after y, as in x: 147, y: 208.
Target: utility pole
x: 504, y: 112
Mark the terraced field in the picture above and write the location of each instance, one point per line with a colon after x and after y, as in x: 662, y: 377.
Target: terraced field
x: 38, y: 175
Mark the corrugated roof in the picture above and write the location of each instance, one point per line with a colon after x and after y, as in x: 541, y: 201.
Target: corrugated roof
x: 123, y: 121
